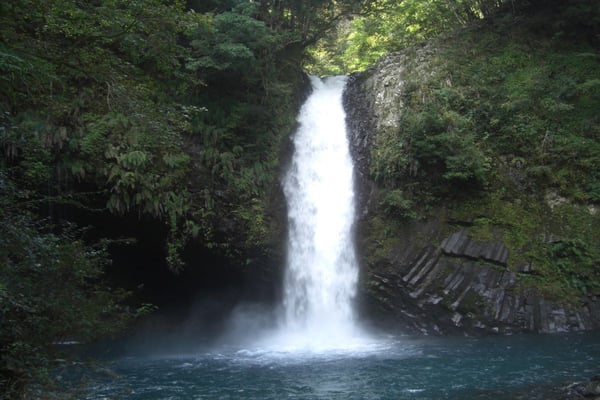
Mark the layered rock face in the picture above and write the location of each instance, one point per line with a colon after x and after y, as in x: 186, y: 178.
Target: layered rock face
x: 435, y: 278
x: 462, y: 285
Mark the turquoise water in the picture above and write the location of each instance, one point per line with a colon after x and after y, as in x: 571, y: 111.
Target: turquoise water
x: 515, y: 367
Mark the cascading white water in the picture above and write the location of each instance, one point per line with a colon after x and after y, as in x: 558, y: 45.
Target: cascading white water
x: 322, y: 272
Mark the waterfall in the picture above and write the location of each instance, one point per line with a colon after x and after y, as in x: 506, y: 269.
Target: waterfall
x: 322, y: 272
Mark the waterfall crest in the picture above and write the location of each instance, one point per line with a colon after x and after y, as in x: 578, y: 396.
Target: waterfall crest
x: 322, y: 271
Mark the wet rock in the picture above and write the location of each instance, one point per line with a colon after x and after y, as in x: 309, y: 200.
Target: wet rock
x: 460, y: 244
x: 527, y: 268
x: 583, y: 390
x: 462, y: 285
x: 594, y: 385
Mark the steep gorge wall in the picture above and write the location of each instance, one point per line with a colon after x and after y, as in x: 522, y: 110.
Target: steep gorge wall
x: 430, y: 275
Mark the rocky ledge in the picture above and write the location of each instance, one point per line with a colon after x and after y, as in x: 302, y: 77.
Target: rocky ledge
x: 463, y: 285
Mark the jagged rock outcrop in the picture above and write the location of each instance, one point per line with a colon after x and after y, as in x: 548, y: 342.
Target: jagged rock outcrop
x: 460, y: 244
x: 460, y: 286
x: 435, y: 277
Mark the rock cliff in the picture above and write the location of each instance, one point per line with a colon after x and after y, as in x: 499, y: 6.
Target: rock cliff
x: 434, y: 273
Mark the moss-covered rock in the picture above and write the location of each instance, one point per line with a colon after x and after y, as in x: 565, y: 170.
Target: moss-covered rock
x: 477, y: 165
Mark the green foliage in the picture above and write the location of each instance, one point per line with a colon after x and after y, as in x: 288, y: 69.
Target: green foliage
x: 380, y: 237
x: 94, y: 99
x: 397, y: 205
x: 105, y: 96
x: 249, y: 68
x: 50, y: 292
x: 138, y: 107
x: 488, y: 99
x: 228, y: 42
x: 442, y: 143
x: 577, y: 263
x: 384, y: 26
x: 496, y: 121
x: 594, y: 191
x: 153, y: 109
x: 517, y: 220
x: 561, y: 244
x: 543, y: 115
x: 436, y: 145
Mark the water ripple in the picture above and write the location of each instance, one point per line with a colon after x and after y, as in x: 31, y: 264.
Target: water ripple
x: 520, y: 367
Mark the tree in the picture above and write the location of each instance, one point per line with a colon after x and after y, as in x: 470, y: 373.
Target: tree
x: 51, y: 291
x: 382, y: 26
